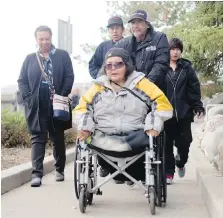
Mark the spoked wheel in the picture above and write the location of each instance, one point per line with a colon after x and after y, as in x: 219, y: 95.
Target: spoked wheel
x: 90, y: 195
x: 152, y: 200
x: 77, y: 170
x: 158, y: 177
x: 83, y: 200
x: 163, y: 159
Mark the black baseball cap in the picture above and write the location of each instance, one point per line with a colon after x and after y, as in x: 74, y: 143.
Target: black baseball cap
x: 139, y: 14
x: 115, y: 20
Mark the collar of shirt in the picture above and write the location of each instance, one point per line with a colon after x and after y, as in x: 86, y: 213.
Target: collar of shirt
x: 52, y: 52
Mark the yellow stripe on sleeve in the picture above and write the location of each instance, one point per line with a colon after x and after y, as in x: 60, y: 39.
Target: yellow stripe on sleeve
x: 154, y: 93
x: 87, y: 98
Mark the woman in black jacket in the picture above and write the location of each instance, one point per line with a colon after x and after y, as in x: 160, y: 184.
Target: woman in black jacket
x: 38, y: 95
x: 183, y: 91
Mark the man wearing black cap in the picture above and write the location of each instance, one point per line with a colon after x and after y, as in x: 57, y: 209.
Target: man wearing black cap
x: 148, y: 48
x: 115, y: 29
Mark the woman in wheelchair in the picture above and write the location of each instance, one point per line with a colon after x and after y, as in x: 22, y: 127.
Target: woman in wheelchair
x: 119, y: 111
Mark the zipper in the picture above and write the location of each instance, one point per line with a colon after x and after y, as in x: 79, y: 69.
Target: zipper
x: 174, y: 93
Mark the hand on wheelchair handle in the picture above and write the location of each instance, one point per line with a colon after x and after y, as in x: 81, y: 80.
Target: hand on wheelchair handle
x: 152, y: 132
x: 83, y: 135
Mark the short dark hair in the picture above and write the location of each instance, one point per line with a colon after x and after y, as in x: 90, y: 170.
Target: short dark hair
x: 176, y: 43
x: 43, y: 28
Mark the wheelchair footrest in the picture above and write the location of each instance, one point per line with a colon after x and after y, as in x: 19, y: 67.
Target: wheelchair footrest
x: 153, y: 162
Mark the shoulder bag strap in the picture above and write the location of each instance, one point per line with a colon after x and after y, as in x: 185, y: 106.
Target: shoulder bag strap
x: 133, y: 93
x: 41, y: 67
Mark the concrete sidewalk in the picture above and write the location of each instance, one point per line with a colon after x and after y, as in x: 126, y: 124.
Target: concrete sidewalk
x: 57, y: 200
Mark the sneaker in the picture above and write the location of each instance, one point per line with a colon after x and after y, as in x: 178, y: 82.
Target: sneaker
x: 103, y: 172
x: 59, y: 177
x: 130, y: 183
x: 118, y: 182
x: 36, y: 182
x: 169, y: 179
x: 181, y: 172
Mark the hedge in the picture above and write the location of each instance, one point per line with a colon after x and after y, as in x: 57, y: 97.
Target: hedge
x: 14, y: 130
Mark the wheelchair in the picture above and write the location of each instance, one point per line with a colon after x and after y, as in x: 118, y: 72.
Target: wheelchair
x: 86, y: 173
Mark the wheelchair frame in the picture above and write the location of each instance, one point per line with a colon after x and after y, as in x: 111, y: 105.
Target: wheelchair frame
x: 85, y: 172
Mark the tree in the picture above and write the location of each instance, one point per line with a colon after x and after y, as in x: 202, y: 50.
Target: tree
x: 160, y: 14
x: 198, y: 24
x: 202, y: 35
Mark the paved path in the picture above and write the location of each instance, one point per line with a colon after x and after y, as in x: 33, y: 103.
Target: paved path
x: 57, y: 200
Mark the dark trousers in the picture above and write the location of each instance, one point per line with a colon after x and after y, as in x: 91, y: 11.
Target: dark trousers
x: 178, y: 134
x: 38, y: 148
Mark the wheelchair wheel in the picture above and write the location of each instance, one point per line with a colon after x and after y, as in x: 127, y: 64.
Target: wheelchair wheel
x: 90, y: 195
x: 158, y: 178
x: 77, y: 170
x: 163, y: 159
x: 83, y: 200
x: 152, y: 200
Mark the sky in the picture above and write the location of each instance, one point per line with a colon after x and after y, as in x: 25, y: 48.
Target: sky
x: 20, y: 19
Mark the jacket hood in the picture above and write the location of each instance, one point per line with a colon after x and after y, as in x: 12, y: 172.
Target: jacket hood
x: 130, y: 83
x: 149, y: 33
x: 184, y: 62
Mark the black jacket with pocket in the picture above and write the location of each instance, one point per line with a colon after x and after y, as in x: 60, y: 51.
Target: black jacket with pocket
x: 97, y: 59
x: 183, y: 90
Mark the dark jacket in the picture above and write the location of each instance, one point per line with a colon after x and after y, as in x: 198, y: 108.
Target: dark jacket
x: 29, y: 83
x: 151, y: 56
x: 183, y: 90
x: 97, y: 59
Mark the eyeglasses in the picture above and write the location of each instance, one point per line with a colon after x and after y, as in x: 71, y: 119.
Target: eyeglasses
x: 115, y: 65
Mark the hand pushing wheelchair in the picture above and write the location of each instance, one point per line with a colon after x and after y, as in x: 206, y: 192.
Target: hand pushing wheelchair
x: 86, y: 175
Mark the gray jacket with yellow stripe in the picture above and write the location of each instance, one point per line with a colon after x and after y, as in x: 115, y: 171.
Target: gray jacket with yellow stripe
x: 102, y: 109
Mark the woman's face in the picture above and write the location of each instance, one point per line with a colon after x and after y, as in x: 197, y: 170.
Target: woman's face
x: 43, y: 39
x: 115, y: 69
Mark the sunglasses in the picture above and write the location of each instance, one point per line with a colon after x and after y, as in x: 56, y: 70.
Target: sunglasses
x: 115, y: 65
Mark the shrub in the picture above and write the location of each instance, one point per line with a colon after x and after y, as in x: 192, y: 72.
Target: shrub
x: 210, y: 86
x: 14, y: 130
x: 210, y: 90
